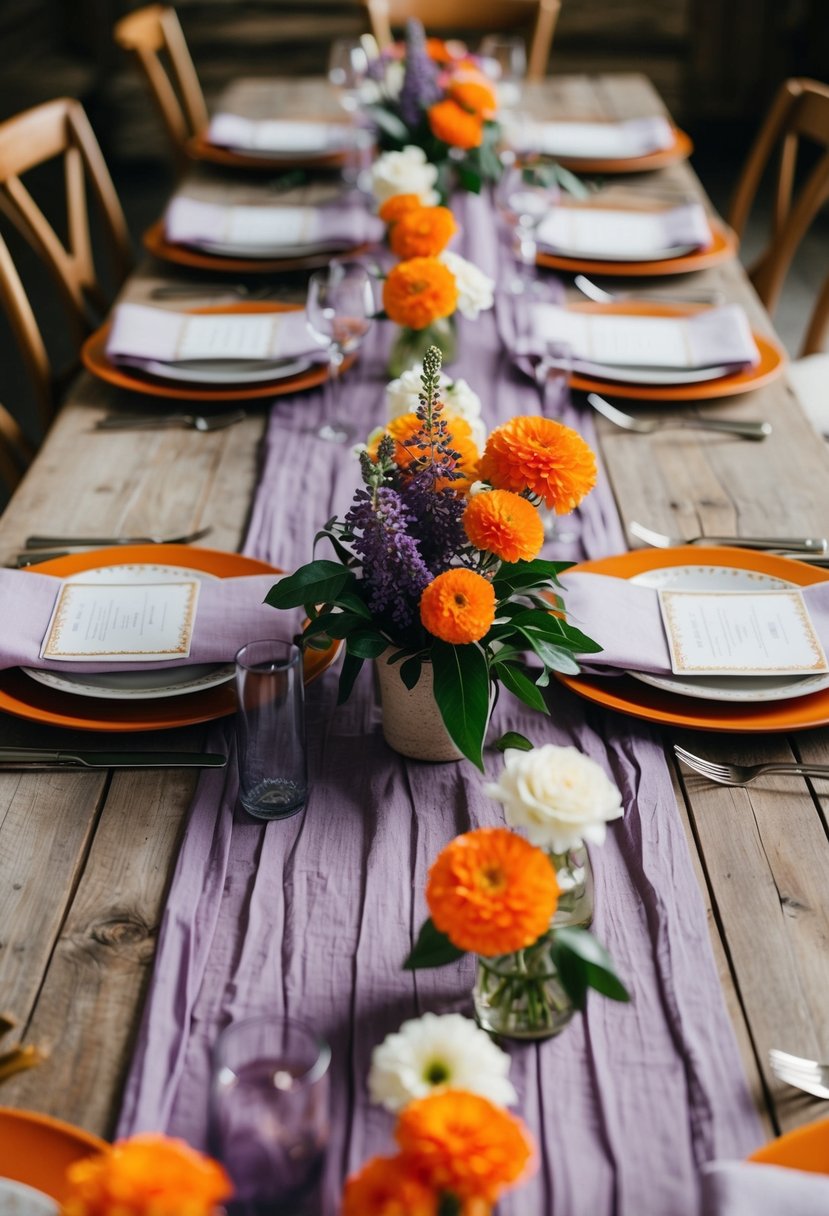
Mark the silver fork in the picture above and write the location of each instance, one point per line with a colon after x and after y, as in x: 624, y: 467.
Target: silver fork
x: 47, y: 542
x: 593, y: 292
x: 647, y: 426
x: 744, y: 774
x: 808, y: 1075
x: 149, y: 422
x: 791, y: 544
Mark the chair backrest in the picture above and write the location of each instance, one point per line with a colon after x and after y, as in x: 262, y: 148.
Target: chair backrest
x: 150, y: 33
x: 818, y: 330
x: 489, y: 15
x: 800, y: 111
x: 15, y: 451
x: 61, y: 129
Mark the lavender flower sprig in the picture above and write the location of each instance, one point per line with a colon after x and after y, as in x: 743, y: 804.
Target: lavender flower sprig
x: 420, y: 87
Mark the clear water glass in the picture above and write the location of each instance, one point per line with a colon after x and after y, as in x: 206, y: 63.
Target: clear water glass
x: 269, y: 1115
x: 270, y: 729
x: 505, y: 61
x: 523, y: 197
x: 347, y: 71
x: 339, y: 309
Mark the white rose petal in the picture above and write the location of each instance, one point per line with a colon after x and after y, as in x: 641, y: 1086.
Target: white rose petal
x: 406, y: 172
x: 402, y: 397
x: 558, y: 795
x: 437, y: 1052
x: 475, y: 289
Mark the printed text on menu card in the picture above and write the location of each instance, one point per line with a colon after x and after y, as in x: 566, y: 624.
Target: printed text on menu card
x: 125, y: 623
x: 740, y: 633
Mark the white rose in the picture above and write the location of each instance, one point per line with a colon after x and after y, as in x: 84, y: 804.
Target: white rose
x: 558, y: 795
x: 475, y: 289
x: 462, y: 400
x: 406, y: 172
x: 402, y: 397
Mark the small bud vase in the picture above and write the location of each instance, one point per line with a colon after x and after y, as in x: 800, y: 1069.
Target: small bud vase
x: 574, y: 875
x: 410, y: 345
x: 520, y: 995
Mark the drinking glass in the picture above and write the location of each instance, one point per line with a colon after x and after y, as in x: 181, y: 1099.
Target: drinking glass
x: 505, y: 62
x: 270, y: 729
x: 269, y: 1116
x: 339, y: 311
x: 347, y: 70
x: 523, y: 197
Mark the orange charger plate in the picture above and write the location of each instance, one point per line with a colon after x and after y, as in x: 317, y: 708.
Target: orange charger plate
x: 680, y: 149
x: 722, y: 249
x: 37, y: 1150
x: 94, y: 356
x: 23, y: 697
x: 805, y: 1148
x: 630, y: 696
x: 157, y: 244
x: 200, y: 148
x: 771, y: 365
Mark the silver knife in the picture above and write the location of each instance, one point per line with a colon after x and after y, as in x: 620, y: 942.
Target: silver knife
x: 20, y: 758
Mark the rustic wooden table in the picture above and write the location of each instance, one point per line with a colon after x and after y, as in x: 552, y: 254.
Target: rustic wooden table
x: 85, y: 859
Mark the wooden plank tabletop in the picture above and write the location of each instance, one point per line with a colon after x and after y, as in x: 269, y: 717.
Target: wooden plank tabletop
x: 86, y: 859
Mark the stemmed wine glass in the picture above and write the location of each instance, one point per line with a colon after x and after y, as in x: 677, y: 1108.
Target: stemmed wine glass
x: 505, y: 61
x: 348, y: 66
x: 523, y: 197
x: 339, y: 311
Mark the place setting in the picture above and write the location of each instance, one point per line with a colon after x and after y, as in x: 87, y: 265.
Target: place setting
x: 634, y: 145
x: 269, y: 143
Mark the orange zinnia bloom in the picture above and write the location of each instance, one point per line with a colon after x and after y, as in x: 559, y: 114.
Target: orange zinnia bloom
x: 422, y: 233
x: 454, y: 125
x: 475, y: 94
x: 438, y: 51
x: 458, y: 606
x: 406, y: 428
x: 419, y: 292
x: 398, y: 205
x: 491, y: 892
x: 464, y: 1144
x: 386, y: 1186
x: 148, y: 1175
x: 505, y: 524
x: 545, y: 457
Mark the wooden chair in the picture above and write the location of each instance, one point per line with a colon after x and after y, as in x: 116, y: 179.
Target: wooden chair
x: 150, y: 33
x: 489, y: 15
x: 61, y: 129
x: 800, y: 111
x: 15, y: 451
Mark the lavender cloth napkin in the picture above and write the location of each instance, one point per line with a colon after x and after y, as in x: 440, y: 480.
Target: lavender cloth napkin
x: 601, y: 232
x: 280, y: 136
x: 612, y: 140
x: 739, y: 1188
x: 140, y: 333
x: 190, y: 221
x: 230, y: 613
x: 313, y: 916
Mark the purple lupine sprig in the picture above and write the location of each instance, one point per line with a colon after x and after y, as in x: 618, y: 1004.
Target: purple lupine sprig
x: 393, y: 569
x: 420, y: 87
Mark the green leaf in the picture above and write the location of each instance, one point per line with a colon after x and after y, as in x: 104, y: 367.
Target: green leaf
x: 389, y: 123
x: 582, y: 962
x: 572, y: 184
x: 514, y: 680
x: 555, y: 657
x: 461, y: 686
x: 333, y: 624
x: 316, y: 582
x: 432, y: 949
x: 348, y: 674
x: 410, y: 671
x: 366, y: 644
x: 513, y: 739
x: 345, y: 556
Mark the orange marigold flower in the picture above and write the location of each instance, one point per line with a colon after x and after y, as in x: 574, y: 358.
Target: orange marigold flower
x: 505, y: 524
x: 464, y: 1144
x: 438, y: 51
x: 475, y: 94
x: 148, y: 1175
x: 398, y: 205
x: 451, y: 123
x: 490, y: 891
x: 418, y: 292
x: 407, y: 427
x: 458, y: 606
x: 545, y: 457
x: 387, y: 1186
x: 423, y: 233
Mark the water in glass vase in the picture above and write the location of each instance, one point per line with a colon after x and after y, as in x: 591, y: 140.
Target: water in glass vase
x: 520, y: 995
x: 574, y: 875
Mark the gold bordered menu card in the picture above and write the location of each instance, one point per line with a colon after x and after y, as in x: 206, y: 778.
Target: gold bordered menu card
x: 124, y: 623
x: 740, y: 633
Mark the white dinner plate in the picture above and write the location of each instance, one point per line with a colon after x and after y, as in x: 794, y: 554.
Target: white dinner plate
x: 652, y: 375
x: 606, y: 255
x: 136, y: 685
x: 225, y: 250
x: 725, y: 688
x: 227, y: 371
x: 17, y: 1199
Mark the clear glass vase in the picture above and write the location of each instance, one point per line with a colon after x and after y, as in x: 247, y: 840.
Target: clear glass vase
x: 574, y: 874
x: 411, y: 345
x: 520, y: 995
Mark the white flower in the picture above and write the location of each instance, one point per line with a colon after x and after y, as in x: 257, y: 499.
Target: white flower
x: 560, y: 796
x: 438, y: 1052
x: 458, y: 397
x: 475, y: 289
x: 406, y: 172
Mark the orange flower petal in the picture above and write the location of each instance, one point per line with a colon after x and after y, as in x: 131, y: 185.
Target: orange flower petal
x: 505, y: 524
x: 458, y: 606
x: 454, y: 125
x: 418, y: 292
x: 545, y: 457
x: 386, y: 1186
x: 423, y: 232
x: 396, y: 206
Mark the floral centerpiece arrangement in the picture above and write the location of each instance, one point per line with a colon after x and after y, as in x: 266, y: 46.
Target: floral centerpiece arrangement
x: 442, y: 103
x: 438, y: 575
x: 430, y: 283
x: 493, y: 894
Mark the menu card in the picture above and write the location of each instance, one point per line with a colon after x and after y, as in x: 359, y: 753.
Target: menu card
x: 127, y: 623
x: 602, y: 232
x: 740, y: 633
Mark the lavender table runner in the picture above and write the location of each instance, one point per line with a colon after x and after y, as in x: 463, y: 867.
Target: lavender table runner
x: 313, y: 916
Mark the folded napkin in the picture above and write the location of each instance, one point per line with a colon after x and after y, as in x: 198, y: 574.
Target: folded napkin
x: 230, y: 613
x: 262, y: 229
x: 611, y: 140
x: 625, y: 619
x: 142, y: 334
x: 279, y: 136
x: 601, y: 232
x: 715, y: 337
x: 739, y: 1188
